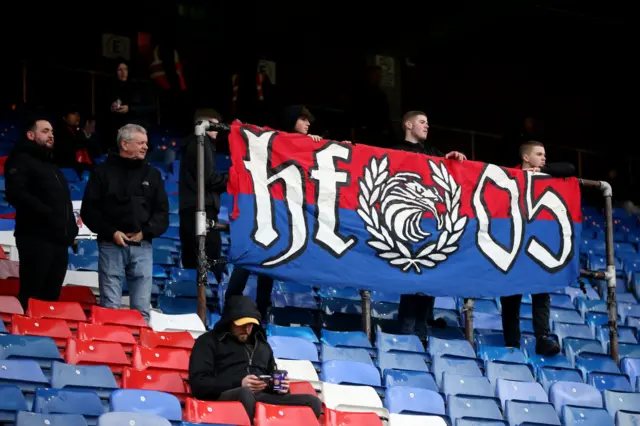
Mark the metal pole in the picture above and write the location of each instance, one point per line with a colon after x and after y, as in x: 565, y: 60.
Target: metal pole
x: 365, y: 296
x: 468, y: 320
x: 201, y: 224
x: 610, y: 274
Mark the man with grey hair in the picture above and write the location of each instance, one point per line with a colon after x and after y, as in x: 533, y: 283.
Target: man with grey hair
x: 126, y: 204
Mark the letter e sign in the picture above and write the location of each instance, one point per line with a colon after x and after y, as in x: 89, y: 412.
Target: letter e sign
x: 115, y: 46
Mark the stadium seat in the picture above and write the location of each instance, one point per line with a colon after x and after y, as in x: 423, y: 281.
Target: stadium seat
x: 132, y: 419
x: 25, y: 418
x: 69, y: 401
x: 161, y: 381
x: 11, y: 401
x: 406, y: 400
x: 413, y: 379
x: 144, y: 401
x: 3, y: 328
x: 172, y: 339
x: 627, y: 419
x: 440, y: 347
x: 299, y: 370
x: 177, y: 305
x: 302, y: 332
x: 518, y: 412
x: 97, y: 378
x: 611, y: 381
x: 9, y: 286
x: 574, y: 394
x: 588, y: 362
x: 188, y: 322
x: 507, y: 390
x: 501, y: 353
x: 152, y: 359
x: 583, y: 416
x: 386, y: 342
x: 130, y: 318
x: 344, y: 418
x: 547, y: 376
x: 24, y: 373
x: 455, y: 365
x: 331, y: 353
x: 459, y: 406
x: 286, y: 347
x: 215, y: 412
x: 482, y: 422
x: 401, y: 361
x: 107, y: 333
x: 350, y: 372
x: 9, y: 306
x: 97, y: 353
x: 71, y: 312
x: 503, y: 370
x: 453, y: 384
x: 356, y: 339
x: 80, y: 294
x: 352, y: 398
x: 279, y: 415
x: 302, y: 388
x: 40, y: 349
x: 57, y: 329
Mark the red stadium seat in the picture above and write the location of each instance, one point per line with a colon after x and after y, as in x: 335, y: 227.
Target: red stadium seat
x: 280, y: 415
x: 97, y: 353
x: 71, y: 312
x: 78, y: 293
x: 166, y: 339
x: 9, y: 286
x: 343, y: 418
x: 9, y: 306
x: 126, y: 317
x: 107, y: 333
x: 302, y: 388
x: 161, y: 381
x: 57, y: 329
x: 172, y: 359
x: 231, y: 413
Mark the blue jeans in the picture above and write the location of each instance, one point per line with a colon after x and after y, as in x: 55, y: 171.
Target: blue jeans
x: 133, y: 263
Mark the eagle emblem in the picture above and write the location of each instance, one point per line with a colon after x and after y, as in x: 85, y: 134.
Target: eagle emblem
x: 393, y: 207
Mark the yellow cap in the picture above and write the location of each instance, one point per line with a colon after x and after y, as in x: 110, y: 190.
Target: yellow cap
x: 246, y: 320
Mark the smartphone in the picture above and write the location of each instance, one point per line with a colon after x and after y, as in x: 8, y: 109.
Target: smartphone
x: 133, y: 243
x: 266, y: 379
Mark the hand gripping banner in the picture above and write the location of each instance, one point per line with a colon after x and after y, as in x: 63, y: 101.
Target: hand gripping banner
x: 334, y: 214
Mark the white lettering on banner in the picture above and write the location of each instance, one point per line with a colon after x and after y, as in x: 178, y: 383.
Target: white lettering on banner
x: 392, y: 207
x: 498, y: 254
x: 328, y: 181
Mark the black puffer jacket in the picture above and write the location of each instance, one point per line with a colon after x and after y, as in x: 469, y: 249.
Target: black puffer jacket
x: 38, y: 190
x: 219, y: 361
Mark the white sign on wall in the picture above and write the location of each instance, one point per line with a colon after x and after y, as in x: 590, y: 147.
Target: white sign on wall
x: 115, y: 46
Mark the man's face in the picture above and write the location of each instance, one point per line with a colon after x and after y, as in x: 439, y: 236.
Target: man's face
x: 211, y: 133
x: 72, y: 119
x: 136, y: 148
x: 536, y: 157
x: 419, y: 127
x: 302, y: 126
x: 242, y: 332
x: 42, y: 135
x: 123, y: 72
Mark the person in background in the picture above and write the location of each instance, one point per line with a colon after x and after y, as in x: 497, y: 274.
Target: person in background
x: 45, y: 223
x: 416, y: 310
x: 75, y: 147
x: 371, y: 123
x: 126, y: 204
x: 215, y: 183
x: 226, y: 363
x: 534, y: 159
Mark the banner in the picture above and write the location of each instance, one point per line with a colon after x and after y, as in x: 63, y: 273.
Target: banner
x: 334, y: 214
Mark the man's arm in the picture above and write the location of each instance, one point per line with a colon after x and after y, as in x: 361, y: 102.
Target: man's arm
x: 91, y: 211
x: 202, y: 378
x: 159, y: 220
x: 17, y: 191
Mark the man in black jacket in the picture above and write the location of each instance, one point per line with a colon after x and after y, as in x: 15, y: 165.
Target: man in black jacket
x: 227, y: 362
x: 534, y: 159
x: 75, y: 148
x: 45, y: 224
x: 126, y: 204
x: 214, y: 184
x: 416, y: 310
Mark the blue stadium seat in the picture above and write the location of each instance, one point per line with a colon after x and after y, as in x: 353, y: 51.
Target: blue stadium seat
x: 547, y: 376
x: 503, y: 370
x: 485, y: 321
x: 630, y: 367
x: 189, y: 275
x: 405, y: 400
x: 539, y: 361
x: 615, y: 401
x: 163, y: 257
x: 445, y: 303
x: 88, y: 247
x: 501, y: 353
x: 177, y: 305
x: 413, y: 379
x: 401, y: 361
x: 564, y: 330
x: 78, y: 262
x: 609, y: 381
x: 134, y: 419
x: 561, y: 301
x: 459, y: 406
x: 24, y: 373
x: 454, y: 365
x: 11, y: 401
x: 348, y: 293
x: 161, y: 404
x: 70, y: 175
x: 629, y: 350
x: 627, y: 419
x: 166, y: 244
x: 159, y: 272
x: 452, y: 317
x: 281, y: 299
x: 286, y: 347
x: 588, y: 362
x: 25, y: 418
x: 582, y: 416
x: 454, y: 384
x: 302, y: 332
x: 439, y: 347
x: 97, y: 378
x: 183, y: 288
x: 172, y: 232
x: 569, y: 316
x: 356, y: 339
x: 69, y: 401
x: 480, y: 422
x: 350, y: 372
x: 573, y: 347
x: 508, y: 390
x: 40, y: 349
x: 386, y: 342
x: 3, y: 329
x: 389, y: 296
x: 332, y: 353
x: 518, y: 412
x: 575, y: 394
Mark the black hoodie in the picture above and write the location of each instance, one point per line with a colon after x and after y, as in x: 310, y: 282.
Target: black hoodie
x: 38, y: 190
x: 219, y: 361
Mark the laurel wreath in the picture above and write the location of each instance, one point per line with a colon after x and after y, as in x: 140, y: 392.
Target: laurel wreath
x: 395, y: 252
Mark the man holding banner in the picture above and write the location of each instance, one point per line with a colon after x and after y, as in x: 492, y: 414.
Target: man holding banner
x: 534, y: 160
x: 416, y: 310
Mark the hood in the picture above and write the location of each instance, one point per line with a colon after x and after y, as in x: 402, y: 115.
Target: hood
x: 238, y: 307
x: 32, y: 148
x: 290, y: 116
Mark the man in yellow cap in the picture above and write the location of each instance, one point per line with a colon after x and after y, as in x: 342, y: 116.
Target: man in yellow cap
x: 233, y: 362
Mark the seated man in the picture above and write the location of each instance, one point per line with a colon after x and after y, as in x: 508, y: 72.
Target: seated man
x: 227, y: 362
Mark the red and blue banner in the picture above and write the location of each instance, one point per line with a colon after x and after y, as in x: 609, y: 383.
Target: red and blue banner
x: 335, y: 214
